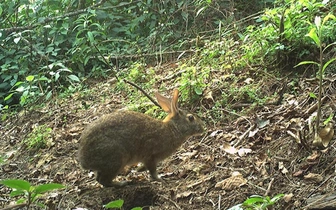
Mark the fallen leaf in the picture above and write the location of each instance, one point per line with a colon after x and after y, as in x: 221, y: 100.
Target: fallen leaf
x: 252, y: 133
x: 188, y: 155
x: 316, y: 178
x: 283, y: 168
x: 242, y: 152
x: 288, y: 197
x: 313, y: 157
x: 236, y: 180
x: 229, y: 149
x: 298, y: 173
x: 184, y: 194
x: 263, y: 123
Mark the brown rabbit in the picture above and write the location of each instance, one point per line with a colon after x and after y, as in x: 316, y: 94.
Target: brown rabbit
x: 126, y: 137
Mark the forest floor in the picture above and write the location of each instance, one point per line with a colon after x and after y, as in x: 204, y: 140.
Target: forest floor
x: 262, y: 152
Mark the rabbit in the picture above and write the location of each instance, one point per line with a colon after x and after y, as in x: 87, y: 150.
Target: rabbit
x: 127, y: 137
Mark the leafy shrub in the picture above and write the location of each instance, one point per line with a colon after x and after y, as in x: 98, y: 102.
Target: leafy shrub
x: 29, y: 194
x: 39, y: 137
x: 56, y: 43
x: 280, y: 35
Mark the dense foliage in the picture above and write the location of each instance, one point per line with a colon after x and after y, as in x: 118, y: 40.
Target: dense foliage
x: 51, y: 46
x: 48, y: 46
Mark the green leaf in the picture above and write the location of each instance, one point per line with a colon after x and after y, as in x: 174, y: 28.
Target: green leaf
x: 326, y: 18
x: 198, y: 91
x: 136, y: 208
x: 115, y: 204
x: 306, y: 62
x: 90, y: 35
x: 57, y: 75
x: 312, y: 95
x: 8, y: 97
x: 16, y: 40
x: 21, y: 200
x: 17, y: 184
x: 253, y: 200
x: 73, y: 78
x: 328, y: 119
x: 30, y: 78
x: 47, y: 187
x: 276, y: 198
x: 313, y: 35
x: 327, y: 64
x: 49, y: 94
x: 18, y: 83
x: 17, y: 192
x: 20, y: 89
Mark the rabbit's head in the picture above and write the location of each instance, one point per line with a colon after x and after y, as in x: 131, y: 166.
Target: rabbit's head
x: 183, y: 122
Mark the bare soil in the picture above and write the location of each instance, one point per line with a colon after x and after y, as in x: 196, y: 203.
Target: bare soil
x: 251, y: 153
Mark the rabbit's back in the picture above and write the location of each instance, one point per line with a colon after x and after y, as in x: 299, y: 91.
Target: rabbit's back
x: 127, y: 132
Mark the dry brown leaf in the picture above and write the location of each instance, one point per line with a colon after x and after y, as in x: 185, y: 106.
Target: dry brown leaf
x: 316, y: 178
x: 187, y: 155
x: 283, y: 168
x: 231, y: 183
x: 324, y: 136
x: 253, y: 132
x: 229, y: 149
x: 242, y: 152
x: 298, y: 173
x: 288, y: 197
x: 184, y: 194
x: 313, y: 157
x: 44, y: 159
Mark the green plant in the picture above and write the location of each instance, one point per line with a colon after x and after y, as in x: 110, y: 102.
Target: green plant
x: 118, y: 204
x: 29, y: 193
x: 284, y: 27
x: 53, y: 44
x: 39, y: 137
x: 257, y: 202
x: 193, y: 82
x: 317, y: 33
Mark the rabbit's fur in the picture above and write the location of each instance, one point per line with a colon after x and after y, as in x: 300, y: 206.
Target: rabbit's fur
x: 126, y: 137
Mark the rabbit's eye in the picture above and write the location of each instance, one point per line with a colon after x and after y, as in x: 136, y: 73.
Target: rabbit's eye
x: 191, y: 118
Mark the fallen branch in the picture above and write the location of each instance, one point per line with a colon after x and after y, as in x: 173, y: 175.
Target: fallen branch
x: 144, y: 92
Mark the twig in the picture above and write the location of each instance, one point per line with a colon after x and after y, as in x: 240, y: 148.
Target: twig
x: 200, y: 182
x: 269, y: 187
x: 144, y: 92
x: 173, y: 202
x: 16, y: 206
x: 318, y: 187
x: 240, y: 138
x: 106, y: 62
x: 329, y: 166
x: 137, y: 55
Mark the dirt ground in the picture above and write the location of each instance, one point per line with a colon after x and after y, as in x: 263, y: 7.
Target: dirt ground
x: 266, y: 151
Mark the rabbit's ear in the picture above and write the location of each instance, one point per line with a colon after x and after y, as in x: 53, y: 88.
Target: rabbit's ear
x: 164, y: 102
x: 174, y: 104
